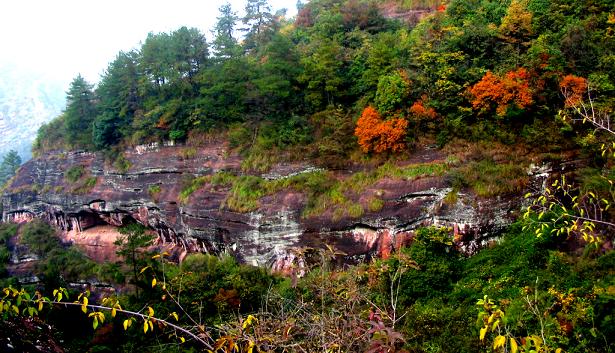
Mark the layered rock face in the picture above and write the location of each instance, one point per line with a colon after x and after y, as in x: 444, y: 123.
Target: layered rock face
x: 276, y: 234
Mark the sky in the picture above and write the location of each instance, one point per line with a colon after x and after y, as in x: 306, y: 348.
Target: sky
x: 63, y: 38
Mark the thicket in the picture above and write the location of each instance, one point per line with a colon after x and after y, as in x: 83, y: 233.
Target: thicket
x: 421, y: 299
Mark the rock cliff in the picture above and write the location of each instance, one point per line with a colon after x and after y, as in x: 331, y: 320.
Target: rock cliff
x: 276, y: 233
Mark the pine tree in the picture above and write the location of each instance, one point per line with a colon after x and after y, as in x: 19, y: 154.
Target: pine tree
x: 10, y: 162
x: 224, y: 44
x: 258, y: 21
x: 80, y: 113
x: 119, y: 100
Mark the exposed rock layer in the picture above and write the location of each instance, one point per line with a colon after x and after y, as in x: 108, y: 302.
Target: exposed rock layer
x: 275, y: 235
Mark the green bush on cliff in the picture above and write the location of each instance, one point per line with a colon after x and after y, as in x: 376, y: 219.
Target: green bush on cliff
x: 74, y: 173
x: 190, y: 185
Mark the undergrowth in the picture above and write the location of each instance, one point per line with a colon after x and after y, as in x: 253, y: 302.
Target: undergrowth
x: 324, y: 190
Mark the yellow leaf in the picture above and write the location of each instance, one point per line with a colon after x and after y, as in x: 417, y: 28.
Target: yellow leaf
x: 174, y: 314
x: 145, y: 327
x: 559, y: 350
x: 483, y: 331
x: 513, y: 345
x: 40, y: 305
x: 126, y: 324
x: 113, y: 312
x: 84, y: 308
x: 150, y: 311
x: 248, y: 322
x: 499, y: 341
x: 182, y: 339
x: 153, y: 283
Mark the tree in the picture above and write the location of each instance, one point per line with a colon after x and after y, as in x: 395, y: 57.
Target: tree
x: 573, y: 89
x: 322, y: 65
x: 224, y: 44
x: 80, y: 112
x: 258, y: 21
x: 190, y: 51
x: 380, y: 135
x: 392, y: 92
x: 134, y: 238
x: 513, y: 89
x: 119, y: 100
x: 516, y: 26
x: 10, y: 162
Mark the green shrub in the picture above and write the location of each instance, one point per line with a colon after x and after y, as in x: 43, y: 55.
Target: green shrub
x: 192, y: 185
x: 154, y: 191
x: 355, y: 210
x: 239, y: 135
x: 245, y: 193
x: 40, y: 237
x: 86, y: 186
x: 74, y: 173
x: 489, y: 179
x: 188, y: 153
x: 375, y: 204
x: 121, y: 163
x: 223, y: 179
x: 438, y: 263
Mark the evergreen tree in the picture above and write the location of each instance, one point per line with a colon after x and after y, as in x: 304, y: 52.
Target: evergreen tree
x: 119, y: 100
x: 190, y: 51
x: 80, y: 112
x: 259, y: 22
x: 224, y: 44
x: 10, y: 162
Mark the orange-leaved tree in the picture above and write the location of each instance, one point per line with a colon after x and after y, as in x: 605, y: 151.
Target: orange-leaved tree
x: 378, y: 135
x: 573, y: 88
x: 512, y: 88
x: 420, y: 112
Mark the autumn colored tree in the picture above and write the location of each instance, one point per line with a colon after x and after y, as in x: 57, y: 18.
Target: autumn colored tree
x: 573, y: 88
x: 420, y: 112
x: 516, y: 27
x: 378, y: 135
x: 504, y: 92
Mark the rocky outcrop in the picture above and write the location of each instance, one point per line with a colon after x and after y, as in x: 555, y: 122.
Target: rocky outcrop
x: 276, y: 234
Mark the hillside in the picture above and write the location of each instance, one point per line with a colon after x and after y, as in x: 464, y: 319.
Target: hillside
x: 397, y: 176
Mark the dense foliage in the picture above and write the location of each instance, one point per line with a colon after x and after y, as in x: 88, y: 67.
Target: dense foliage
x: 422, y: 299
x: 474, y: 69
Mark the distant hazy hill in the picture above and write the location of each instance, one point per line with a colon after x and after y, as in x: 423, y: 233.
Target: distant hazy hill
x: 27, y: 100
